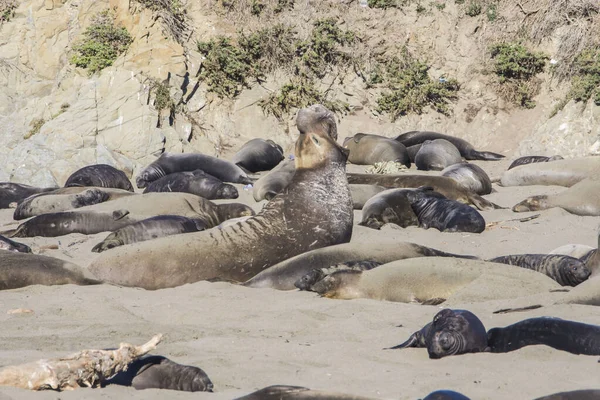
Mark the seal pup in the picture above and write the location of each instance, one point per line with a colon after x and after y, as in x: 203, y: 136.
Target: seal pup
x: 466, y: 149
x: 470, y: 176
x: 391, y: 206
x: 435, y: 155
x: 195, y: 182
x: 314, y: 211
x: 147, y: 229
x: 366, y: 149
x: 306, y: 282
x: 169, y: 163
x: 100, y: 175
x: 15, y: 192
x: 157, y: 372
x: 269, y: 185
x: 567, y: 271
x: 452, y: 332
x: 560, y: 173
x: 258, y: 155
x: 22, y: 269
x: 362, y: 193
x: 580, y: 199
x: 532, y: 159
x: 9, y: 245
x: 283, y: 392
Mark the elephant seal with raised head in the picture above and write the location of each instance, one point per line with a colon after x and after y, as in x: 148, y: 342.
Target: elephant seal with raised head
x: 532, y: 160
x: 466, y: 149
x: 15, y: 192
x: 366, y: 149
x: 195, y: 182
x: 435, y: 155
x: 258, y: 155
x: 470, y: 176
x: 561, y: 172
x: 100, y: 175
x: 314, y: 211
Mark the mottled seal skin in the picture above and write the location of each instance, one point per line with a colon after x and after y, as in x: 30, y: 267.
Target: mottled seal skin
x: 157, y: 372
x: 433, y: 210
x: 532, y: 160
x: 470, y: 176
x: 363, y: 193
x: 283, y: 392
x: 15, y: 192
x: 314, y: 211
x: 269, y: 185
x: 195, y: 182
x: 560, y: 173
x: 441, y: 184
x: 567, y: 271
x: 308, y: 280
x: 451, y: 332
x: 22, y: 269
x: 466, y: 149
x: 571, y: 336
x: 100, y: 175
x: 366, y: 149
x: 585, y: 394
x: 9, y: 245
x: 445, y: 395
x: 389, y: 207
x: 169, y: 163
x: 435, y: 155
x: 259, y: 155
x: 147, y: 229
x: 64, y: 223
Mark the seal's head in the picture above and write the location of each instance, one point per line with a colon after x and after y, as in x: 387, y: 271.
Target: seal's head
x: 110, y: 242
x: 455, y: 332
x: 307, y: 281
x: 227, y: 191
x: 338, y: 285
x: 234, y: 210
x: 534, y: 203
x: 574, y: 271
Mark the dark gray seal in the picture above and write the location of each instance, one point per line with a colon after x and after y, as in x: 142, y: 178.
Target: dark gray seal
x: 451, y: 332
x: 259, y: 155
x: 314, y: 276
x: 412, y: 152
x: 533, y: 159
x: 15, y: 192
x: 7, y: 244
x: 466, y: 149
x: 435, y: 155
x: 169, y: 163
x: 433, y: 210
x: 389, y: 207
x: 445, y: 395
x: 585, y: 394
x: 567, y: 271
x: 195, y: 182
x: 157, y: 372
x: 470, y: 176
x: 269, y: 185
x: 366, y: 149
x: 100, y: 175
x: 283, y: 392
x: 147, y: 229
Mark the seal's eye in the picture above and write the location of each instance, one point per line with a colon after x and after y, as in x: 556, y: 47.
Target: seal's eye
x: 314, y: 139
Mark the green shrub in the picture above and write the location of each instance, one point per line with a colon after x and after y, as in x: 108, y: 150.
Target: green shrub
x: 459, y: 1
x: 586, y: 82
x: 474, y: 9
x: 36, y: 124
x: 101, y: 44
x: 420, y: 8
x: 492, y: 12
x: 7, y: 10
x: 257, y: 7
x: 385, y: 4
x: 440, y: 6
x: 270, y: 48
x: 515, y: 61
x: 283, y: 5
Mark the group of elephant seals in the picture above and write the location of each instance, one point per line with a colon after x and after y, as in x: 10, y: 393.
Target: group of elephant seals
x: 169, y: 163
x: 391, y: 206
x: 8, y: 245
x: 533, y: 160
x: 314, y: 276
x: 571, y: 336
x: 195, y: 182
x: 366, y: 149
x: 258, y: 155
x: 451, y: 332
x: 12, y: 193
x: 100, y: 175
x: 269, y: 185
x: 465, y: 148
x: 580, y: 199
x: 435, y: 155
x: 560, y: 173
x: 314, y: 211
x: 157, y: 372
x: 147, y: 229
x: 567, y: 271
x: 470, y: 176
x: 284, y: 392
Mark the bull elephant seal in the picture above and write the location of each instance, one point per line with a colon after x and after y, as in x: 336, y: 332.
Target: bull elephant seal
x: 169, y: 163
x: 580, y: 199
x: 15, y: 192
x: 363, y: 193
x: 283, y: 392
x: 195, y: 182
x: 268, y: 186
x: 9, y: 245
x: 567, y: 271
x: 435, y: 155
x: 314, y: 211
x: 470, y: 176
x: 100, y: 175
x: 533, y: 160
x: 368, y: 149
x: 451, y: 332
x: 21, y: 269
x: 389, y: 207
x: 561, y: 172
x: 259, y: 155
x: 147, y: 229
x: 466, y: 149
x: 157, y: 372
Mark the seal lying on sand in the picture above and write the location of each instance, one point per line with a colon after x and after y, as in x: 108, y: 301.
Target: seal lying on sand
x: 565, y: 270
x: 435, y: 155
x: 9, y: 245
x: 268, y: 186
x: 532, y: 160
x: 169, y: 163
x: 258, y: 155
x: 470, y: 176
x: 561, y: 172
x: 391, y: 206
x: 363, y: 193
x: 195, y: 182
x: 314, y: 211
x: 100, y: 175
x: 366, y: 149
x: 583, y: 198
x: 15, y: 192
x: 466, y: 149
x: 283, y: 392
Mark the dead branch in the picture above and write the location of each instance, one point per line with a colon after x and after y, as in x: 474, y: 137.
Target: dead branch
x: 84, y: 369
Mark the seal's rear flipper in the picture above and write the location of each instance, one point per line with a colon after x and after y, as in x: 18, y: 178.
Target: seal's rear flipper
x: 275, y: 392
x: 487, y: 156
x: 483, y: 204
x: 431, y: 302
x: 518, y: 309
x: 414, y: 340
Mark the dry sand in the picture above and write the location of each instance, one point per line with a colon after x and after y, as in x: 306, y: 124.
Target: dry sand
x: 246, y: 339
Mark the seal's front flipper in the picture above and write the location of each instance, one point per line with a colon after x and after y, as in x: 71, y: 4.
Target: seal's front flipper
x: 487, y: 156
x: 431, y: 302
x: 119, y: 214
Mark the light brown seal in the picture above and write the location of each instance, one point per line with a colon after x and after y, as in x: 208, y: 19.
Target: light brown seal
x: 561, y: 172
x: 471, y: 176
x: 367, y: 149
x: 435, y: 155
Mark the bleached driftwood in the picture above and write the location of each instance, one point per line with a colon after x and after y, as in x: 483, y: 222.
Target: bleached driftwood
x: 87, y: 368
